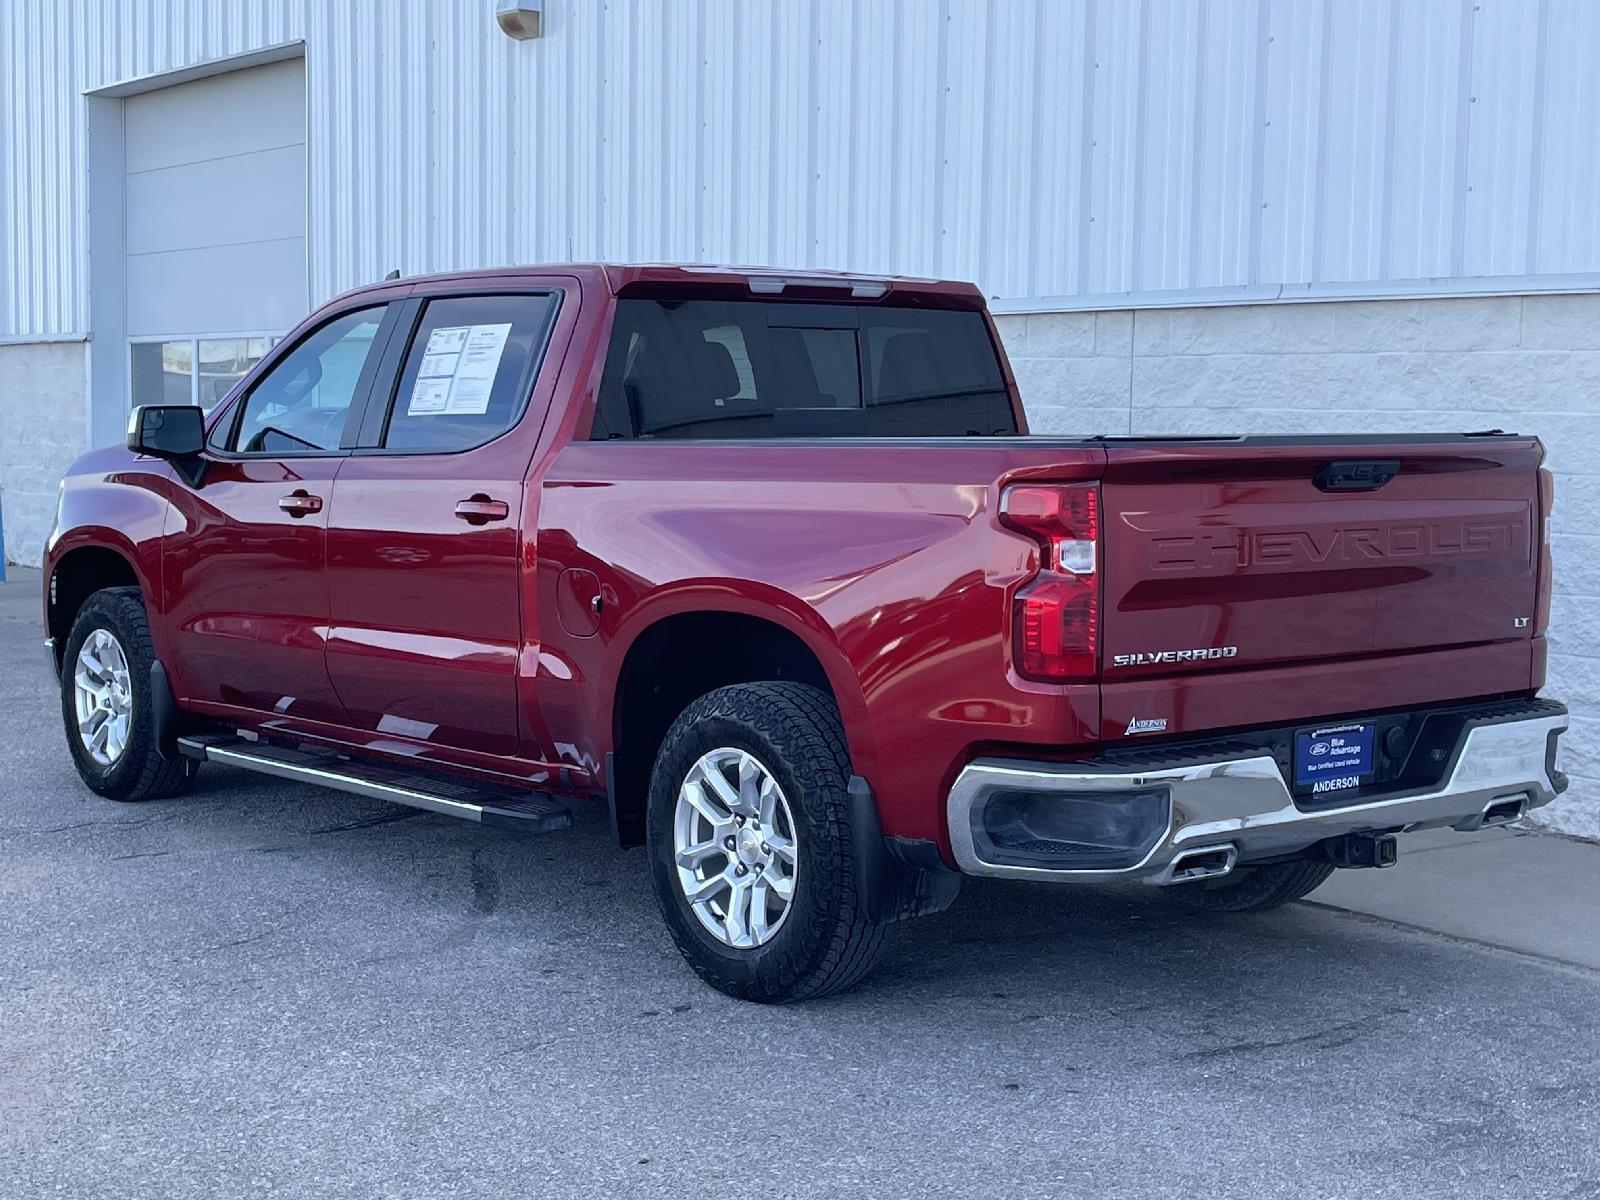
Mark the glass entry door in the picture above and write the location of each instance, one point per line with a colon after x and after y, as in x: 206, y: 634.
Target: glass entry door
x: 192, y: 370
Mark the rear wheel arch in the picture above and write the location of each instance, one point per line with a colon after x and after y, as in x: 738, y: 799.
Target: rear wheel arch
x: 777, y: 827
x: 680, y: 657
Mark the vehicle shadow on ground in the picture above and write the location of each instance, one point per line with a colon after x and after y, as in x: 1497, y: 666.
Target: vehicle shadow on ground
x: 1057, y: 943
x: 1031, y: 950
x: 363, y: 903
x: 1037, y: 949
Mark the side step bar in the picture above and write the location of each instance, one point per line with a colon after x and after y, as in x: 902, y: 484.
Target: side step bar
x: 505, y: 808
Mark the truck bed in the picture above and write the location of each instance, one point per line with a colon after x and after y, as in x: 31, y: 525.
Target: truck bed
x: 890, y: 554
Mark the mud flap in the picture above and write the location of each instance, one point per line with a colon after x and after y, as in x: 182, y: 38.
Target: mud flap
x: 891, y: 888
x: 164, y: 713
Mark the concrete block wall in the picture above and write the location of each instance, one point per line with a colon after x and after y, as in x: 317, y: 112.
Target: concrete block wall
x: 43, y: 386
x: 1524, y: 363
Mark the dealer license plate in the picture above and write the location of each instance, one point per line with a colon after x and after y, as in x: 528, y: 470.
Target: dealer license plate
x: 1333, y: 758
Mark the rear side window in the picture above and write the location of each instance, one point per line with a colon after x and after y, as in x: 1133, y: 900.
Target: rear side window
x: 469, y: 371
x: 746, y: 369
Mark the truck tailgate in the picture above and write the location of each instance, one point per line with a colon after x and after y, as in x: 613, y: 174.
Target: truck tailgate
x: 1252, y: 582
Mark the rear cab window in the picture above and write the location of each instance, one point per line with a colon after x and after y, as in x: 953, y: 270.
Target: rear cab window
x: 753, y: 369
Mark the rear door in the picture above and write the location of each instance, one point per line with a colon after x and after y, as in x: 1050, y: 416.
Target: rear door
x: 424, y: 536
x: 1252, y: 583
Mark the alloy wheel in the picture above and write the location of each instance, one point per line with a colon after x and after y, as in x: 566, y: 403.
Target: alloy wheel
x: 103, y: 697
x: 733, y: 843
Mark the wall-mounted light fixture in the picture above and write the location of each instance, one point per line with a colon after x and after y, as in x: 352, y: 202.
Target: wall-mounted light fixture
x: 520, y: 19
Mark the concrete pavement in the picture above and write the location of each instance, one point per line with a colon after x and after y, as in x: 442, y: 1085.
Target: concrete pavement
x: 1519, y: 890
x: 265, y: 989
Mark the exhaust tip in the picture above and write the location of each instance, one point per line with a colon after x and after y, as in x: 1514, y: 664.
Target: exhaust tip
x: 1208, y: 863
x: 1503, y: 812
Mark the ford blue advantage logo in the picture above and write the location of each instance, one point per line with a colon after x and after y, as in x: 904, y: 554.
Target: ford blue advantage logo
x: 1336, y: 758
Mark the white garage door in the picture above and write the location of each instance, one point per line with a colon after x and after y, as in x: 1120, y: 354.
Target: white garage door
x: 214, y: 228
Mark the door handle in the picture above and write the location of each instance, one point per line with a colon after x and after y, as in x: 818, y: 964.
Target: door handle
x: 300, y: 503
x: 480, y: 510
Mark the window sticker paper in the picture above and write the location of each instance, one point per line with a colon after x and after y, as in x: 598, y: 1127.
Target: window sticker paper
x: 479, y: 363
x: 429, y: 396
x: 458, y: 368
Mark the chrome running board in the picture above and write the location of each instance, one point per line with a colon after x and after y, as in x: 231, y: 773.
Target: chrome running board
x: 467, y: 799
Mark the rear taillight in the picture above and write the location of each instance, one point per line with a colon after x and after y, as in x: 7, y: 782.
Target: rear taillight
x: 1057, y: 614
x: 1547, y: 500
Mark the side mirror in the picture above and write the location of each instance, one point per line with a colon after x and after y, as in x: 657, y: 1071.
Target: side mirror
x: 167, y: 430
x: 176, y: 432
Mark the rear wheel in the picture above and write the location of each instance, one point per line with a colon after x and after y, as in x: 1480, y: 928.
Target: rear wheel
x: 106, y: 702
x: 1254, y: 889
x: 750, y: 844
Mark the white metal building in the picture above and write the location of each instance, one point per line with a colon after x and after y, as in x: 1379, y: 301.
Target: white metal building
x: 1205, y: 215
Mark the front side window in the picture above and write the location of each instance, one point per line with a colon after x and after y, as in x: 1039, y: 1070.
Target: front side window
x: 469, y: 371
x: 744, y: 369
x: 300, y: 405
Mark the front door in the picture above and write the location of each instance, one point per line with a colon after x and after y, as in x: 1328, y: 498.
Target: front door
x: 424, y: 536
x: 246, y: 546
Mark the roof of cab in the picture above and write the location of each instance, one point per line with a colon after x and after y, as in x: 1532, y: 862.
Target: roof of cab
x: 649, y: 278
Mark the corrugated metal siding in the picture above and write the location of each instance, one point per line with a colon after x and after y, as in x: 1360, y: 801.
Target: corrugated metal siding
x: 1061, y: 150
x: 50, y: 53
x: 41, y: 146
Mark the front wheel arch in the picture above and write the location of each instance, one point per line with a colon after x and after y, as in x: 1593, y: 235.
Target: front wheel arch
x: 77, y: 575
x: 145, y: 768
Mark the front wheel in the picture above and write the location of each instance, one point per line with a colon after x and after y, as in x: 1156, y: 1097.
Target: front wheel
x: 1254, y: 889
x: 750, y: 844
x: 106, y: 702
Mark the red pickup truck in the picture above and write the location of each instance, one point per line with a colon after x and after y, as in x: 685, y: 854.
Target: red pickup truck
x: 768, y: 562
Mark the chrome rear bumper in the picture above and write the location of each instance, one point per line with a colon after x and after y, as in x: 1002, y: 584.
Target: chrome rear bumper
x: 1238, y: 809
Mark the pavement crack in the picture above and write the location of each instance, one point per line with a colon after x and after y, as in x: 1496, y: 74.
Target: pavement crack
x: 526, y: 1047
x: 405, y: 814
x: 236, y: 942
x: 450, y: 941
x: 485, y: 883
x: 1325, y: 1039
x: 138, y: 823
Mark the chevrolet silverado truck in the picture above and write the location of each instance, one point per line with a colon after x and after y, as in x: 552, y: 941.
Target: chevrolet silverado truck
x: 769, y: 564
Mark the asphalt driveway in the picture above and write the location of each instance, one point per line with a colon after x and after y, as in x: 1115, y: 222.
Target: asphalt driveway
x: 262, y: 989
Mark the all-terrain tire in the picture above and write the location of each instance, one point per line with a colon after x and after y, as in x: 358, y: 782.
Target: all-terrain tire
x: 139, y: 772
x: 1254, y: 889
x: 825, y: 943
